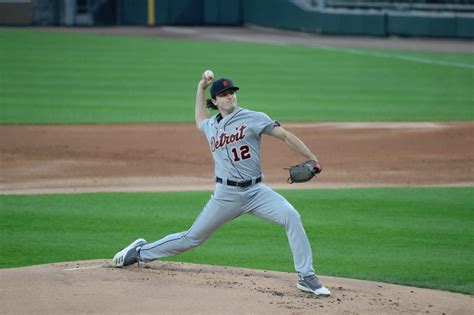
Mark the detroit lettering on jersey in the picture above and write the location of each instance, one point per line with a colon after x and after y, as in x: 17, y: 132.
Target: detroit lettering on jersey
x: 234, y: 142
x: 225, y: 139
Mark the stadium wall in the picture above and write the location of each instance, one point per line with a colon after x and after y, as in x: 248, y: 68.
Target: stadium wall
x: 302, y: 15
x: 296, y: 15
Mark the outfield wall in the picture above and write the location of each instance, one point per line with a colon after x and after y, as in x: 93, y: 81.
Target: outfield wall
x: 180, y: 12
x: 288, y: 15
x: 296, y: 15
x: 302, y: 15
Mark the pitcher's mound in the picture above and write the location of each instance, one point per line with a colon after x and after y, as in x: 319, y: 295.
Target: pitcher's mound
x: 169, y: 287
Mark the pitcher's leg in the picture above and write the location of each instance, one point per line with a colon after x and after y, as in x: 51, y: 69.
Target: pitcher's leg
x: 271, y: 206
x: 216, y: 213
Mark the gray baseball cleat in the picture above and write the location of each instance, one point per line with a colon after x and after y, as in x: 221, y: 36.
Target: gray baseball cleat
x: 129, y: 255
x: 311, y: 284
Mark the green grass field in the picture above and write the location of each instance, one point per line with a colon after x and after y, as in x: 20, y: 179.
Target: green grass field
x: 75, y: 78
x: 416, y: 236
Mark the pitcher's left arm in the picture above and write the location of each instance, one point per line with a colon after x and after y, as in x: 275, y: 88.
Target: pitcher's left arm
x: 293, y: 142
x: 302, y: 172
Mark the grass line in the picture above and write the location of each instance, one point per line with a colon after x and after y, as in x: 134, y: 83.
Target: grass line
x: 397, y: 56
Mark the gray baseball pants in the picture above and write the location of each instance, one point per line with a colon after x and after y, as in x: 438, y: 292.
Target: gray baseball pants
x: 228, y: 203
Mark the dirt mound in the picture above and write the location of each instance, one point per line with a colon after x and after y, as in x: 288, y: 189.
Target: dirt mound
x: 178, y: 288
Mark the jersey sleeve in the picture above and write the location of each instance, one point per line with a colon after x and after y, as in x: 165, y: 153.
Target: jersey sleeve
x: 204, y: 125
x: 264, y: 124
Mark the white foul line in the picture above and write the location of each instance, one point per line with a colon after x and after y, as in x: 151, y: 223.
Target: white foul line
x: 400, y: 57
x: 81, y: 268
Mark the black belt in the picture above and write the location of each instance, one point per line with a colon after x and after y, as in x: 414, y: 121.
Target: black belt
x: 245, y: 183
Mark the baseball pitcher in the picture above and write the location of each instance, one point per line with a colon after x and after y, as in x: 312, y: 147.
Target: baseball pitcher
x: 234, y: 136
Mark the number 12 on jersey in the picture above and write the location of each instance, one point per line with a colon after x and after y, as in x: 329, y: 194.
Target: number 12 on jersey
x: 242, y: 153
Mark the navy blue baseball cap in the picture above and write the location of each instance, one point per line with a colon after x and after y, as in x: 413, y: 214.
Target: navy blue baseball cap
x: 222, y: 85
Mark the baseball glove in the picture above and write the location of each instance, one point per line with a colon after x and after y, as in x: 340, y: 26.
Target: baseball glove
x: 304, y: 172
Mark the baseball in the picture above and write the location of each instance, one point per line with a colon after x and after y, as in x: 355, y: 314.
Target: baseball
x: 209, y: 74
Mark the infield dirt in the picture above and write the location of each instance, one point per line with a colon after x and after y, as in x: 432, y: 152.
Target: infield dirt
x: 79, y: 158
x: 50, y: 159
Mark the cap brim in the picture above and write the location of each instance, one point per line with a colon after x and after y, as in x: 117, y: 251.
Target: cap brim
x: 234, y: 88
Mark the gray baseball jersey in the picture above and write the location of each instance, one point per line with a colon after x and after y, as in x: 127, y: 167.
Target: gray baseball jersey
x: 234, y: 141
